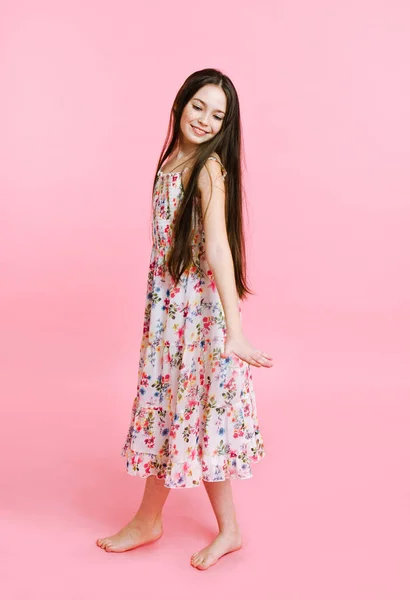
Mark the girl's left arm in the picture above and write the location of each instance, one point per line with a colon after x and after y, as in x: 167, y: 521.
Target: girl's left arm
x: 219, y: 257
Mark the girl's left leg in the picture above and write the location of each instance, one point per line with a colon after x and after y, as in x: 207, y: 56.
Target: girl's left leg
x: 229, y: 537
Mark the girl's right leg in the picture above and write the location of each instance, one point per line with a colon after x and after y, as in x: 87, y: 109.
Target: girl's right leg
x: 146, y: 525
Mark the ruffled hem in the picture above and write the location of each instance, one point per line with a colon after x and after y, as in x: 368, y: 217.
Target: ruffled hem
x: 190, y: 473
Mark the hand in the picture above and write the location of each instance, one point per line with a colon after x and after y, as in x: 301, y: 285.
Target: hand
x: 239, y: 345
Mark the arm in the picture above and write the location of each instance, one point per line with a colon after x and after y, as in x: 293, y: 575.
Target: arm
x: 219, y: 257
x: 217, y: 251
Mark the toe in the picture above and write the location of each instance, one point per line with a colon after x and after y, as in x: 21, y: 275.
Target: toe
x: 207, y: 562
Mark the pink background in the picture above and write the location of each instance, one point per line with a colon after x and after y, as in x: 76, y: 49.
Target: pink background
x: 325, y: 95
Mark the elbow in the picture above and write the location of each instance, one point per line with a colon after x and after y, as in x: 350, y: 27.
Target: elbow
x: 215, y: 254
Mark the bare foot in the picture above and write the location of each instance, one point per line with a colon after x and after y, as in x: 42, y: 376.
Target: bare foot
x: 134, y: 534
x: 224, y: 543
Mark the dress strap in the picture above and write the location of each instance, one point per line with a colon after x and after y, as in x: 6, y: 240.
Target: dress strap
x: 224, y: 173
x: 160, y: 172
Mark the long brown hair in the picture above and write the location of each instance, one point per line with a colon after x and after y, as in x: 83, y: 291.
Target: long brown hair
x: 227, y: 143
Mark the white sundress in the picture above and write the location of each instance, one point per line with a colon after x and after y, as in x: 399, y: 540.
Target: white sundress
x: 194, y: 415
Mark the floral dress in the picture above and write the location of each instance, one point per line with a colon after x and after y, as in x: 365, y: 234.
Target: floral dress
x: 194, y: 415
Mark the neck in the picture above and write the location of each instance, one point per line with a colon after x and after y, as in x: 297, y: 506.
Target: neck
x: 185, y: 149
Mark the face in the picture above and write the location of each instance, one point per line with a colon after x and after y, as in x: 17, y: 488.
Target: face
x: 203, y: 115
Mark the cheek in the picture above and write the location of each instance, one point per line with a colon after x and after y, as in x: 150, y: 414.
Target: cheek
x: 189, y: 115
x: 217, y: 126
x: 186, y: 118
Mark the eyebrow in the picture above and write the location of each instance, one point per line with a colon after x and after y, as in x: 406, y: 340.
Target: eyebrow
x: 199, y: 100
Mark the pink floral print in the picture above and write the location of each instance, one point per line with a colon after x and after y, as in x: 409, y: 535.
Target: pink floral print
x: 194, y: 415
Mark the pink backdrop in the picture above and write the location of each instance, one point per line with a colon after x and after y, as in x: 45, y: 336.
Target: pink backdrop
x: 325, y: 96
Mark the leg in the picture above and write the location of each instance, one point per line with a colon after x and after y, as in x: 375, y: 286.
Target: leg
x: 229, y: 537
x: 146, y: 525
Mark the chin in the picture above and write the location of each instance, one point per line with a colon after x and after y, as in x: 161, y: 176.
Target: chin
x: 192, y: 139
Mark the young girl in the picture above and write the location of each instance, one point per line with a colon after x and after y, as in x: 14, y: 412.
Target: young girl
x: 194, y: 417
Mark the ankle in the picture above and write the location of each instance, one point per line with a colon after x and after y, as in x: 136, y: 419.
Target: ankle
x: 148, y: 519
x: 229, y: 529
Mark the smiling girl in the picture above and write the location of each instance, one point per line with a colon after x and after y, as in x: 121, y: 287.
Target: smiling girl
x: 194, y: 416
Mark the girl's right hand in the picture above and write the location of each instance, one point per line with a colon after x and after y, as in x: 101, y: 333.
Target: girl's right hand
x: 239, y: 345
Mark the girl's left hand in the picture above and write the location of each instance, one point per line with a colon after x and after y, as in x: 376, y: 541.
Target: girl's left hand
x: 239, y: 345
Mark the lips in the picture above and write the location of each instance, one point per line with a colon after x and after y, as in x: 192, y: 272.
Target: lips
x: 198, y: 131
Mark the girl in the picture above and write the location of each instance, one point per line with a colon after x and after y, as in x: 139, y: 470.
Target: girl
x: 194, y: 417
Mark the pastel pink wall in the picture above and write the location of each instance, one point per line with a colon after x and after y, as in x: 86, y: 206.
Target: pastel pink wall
x: 325, y: 95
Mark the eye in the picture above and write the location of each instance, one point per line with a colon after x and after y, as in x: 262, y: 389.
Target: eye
x: 219, y: 118
x: 196, y: 107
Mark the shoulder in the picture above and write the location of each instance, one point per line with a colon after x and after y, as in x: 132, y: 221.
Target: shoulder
x: 215, y: 158
x: 215, y: 165
x: 213, y: 172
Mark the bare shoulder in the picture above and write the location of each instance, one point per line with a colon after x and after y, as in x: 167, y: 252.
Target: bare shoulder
x: 216, y: 155
x: 211, y: 174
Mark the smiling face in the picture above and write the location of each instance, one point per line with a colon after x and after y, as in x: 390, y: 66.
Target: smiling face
x: 203, y: 115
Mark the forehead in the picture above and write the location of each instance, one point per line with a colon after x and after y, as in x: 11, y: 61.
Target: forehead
x: 213, y: 96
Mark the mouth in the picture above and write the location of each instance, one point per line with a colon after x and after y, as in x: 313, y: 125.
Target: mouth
x: 198, y: 131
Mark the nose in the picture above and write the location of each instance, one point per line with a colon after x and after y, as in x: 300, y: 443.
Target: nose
x: 203, y: 120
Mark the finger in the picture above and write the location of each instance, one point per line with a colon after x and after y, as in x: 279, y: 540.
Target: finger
x: 264, y: 362
x: 265, y: 355
x: 252, y: 361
